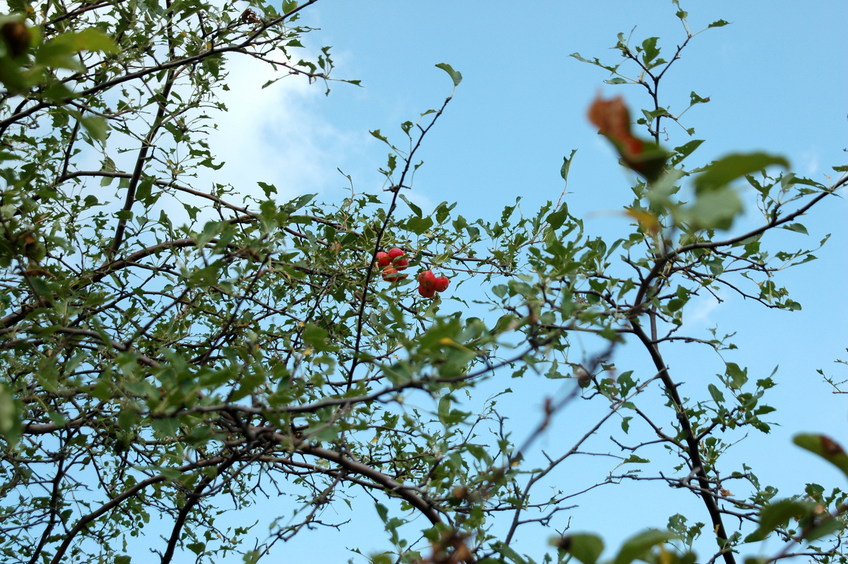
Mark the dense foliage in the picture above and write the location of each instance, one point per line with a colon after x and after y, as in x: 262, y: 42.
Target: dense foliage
x: 170, y: 350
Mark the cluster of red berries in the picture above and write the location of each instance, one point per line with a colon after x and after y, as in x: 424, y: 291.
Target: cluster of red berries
x: 429, y: 284
x: 393, y: 262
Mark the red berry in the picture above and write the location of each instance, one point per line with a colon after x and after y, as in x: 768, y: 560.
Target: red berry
x: 441, y: 283
x: 426, y: 293
x: 401, y: 263
x: 427, y: 280
x: 395, y: 252
x: 383, y: 259
x: 390, y: 274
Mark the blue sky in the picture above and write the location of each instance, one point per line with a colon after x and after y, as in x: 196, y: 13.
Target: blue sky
x: 777, y: 80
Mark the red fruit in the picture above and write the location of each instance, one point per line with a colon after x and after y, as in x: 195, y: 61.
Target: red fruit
x: 383, y: 259
x: 401, y: 263
x: 426, y: 293
x: 441, y: 283
x: 395, y: 252
x: 427, y: 280
x: 391, y: 275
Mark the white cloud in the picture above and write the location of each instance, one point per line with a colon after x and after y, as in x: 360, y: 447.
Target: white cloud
x: 275, y: 134
x: 700, y: 309
x: 810, y: 162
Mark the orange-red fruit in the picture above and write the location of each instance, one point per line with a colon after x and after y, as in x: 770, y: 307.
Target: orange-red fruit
x: 395, y: 252
x: 441, y: 283
x: 383, y: 259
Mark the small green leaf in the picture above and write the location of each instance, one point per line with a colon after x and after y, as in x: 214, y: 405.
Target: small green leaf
x: 10, y: 422
x: 379, y: 135
x: 685, y: 150
x: 456, y: 76
x: 716, y: 394
x: 566, y: 164
x: 382, y: 511
x: 722, y: 172
x: 268, y: 189
x: 196, y: 547
x: 649, y: 46
x: 719, y: 23
x: 557, y: 218
x: 796, y: 227
x: 419, y: 225
x: 738, y: 376
x: 415, y: 209
x: 695, y: 98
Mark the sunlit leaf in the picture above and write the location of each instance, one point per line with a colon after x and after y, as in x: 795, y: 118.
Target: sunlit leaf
x: 456, y: 76
x: 825, y: 447
x: 722, y: 172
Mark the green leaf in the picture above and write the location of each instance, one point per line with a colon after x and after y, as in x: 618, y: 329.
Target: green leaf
x: 825, y: 447
x: 716, y: 394
x: 695, y: 98
x: 510, y: 554
x: 776, y: 515
x: 796, y: 227
x: 649, y: 46
x: 722, y: 172
x: 444, y: 408
x: 59, y: 51
x: 317, y: 338
x: 165, y: 428
x: 738, y: 376
x: 96, y: 127
x: 719, y: 23
x: 638, y: 545
x: 419, y: 225
x: 144, y: 191
x: 586, y: 548
x: 566, y: 164
x: 557, y: 218
x: 196, y: 547
x: 379, y: 135
x: 415, y: 209
x: 456, y: 76
x: 684, y: 151
x: 715, y: 209
x: 268, y: 189
x: 10, y: 423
